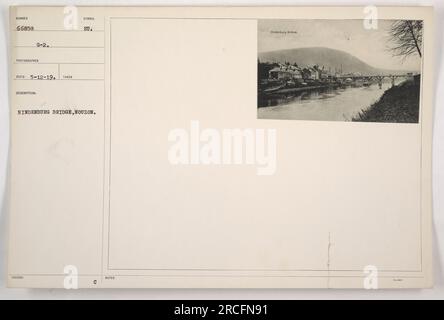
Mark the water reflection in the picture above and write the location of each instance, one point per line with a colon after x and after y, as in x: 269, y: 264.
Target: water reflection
x: 334, y: 104
x: 318, y: 94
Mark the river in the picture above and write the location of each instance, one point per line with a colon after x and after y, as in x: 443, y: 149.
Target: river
x: 340, y: 104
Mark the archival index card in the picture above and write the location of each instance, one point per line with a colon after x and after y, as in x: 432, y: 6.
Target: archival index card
x: 237, y: 147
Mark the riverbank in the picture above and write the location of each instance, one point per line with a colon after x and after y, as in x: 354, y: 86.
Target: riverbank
x: 304, y: 88
x: 397, y: 104
x: 298, y: 89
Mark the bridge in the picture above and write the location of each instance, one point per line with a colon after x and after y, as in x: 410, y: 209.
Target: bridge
x: 378, y: 78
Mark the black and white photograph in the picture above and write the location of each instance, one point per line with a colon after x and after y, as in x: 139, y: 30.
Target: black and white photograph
x: 340, y: 70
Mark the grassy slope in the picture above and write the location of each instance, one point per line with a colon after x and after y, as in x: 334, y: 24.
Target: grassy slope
x: 398, y: 104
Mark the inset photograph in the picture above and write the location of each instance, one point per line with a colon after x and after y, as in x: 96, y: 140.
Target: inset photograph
x: 339, y: 70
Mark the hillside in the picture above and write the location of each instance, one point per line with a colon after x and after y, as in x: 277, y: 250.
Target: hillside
x: 329, y: 58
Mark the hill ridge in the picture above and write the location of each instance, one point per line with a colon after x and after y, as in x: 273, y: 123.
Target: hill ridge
x: 330, y: 59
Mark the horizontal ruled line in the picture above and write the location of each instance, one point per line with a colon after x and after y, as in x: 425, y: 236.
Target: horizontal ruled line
x: 59, y: 63
x: 86, y: 31
x: 58, y: 79
x: 59, y: 47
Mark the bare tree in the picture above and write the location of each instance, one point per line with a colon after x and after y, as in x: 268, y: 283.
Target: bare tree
x: 406, y: 38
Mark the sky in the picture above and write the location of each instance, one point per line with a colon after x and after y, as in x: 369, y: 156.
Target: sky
x: 371, y: 46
